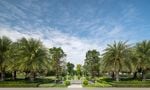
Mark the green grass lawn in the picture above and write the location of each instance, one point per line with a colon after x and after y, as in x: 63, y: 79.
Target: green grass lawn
x: 39, y: 82
x: 107, y: 82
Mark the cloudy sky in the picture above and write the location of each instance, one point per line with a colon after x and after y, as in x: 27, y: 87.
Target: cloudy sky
x: 76, y: 25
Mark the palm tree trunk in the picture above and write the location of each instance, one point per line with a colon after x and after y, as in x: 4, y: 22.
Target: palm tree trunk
x: 135, y: 75
x: 143, y: 76
x: 113, y: 75
x: 117, y: 76
x: 26, y: 75
x: 2, y: 76
x: 14, y: 75
x: 32, y: 76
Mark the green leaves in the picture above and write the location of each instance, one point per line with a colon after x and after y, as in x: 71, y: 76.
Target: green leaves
x: 143, y: 54
x: 92, y: 63
x: 57, y: 57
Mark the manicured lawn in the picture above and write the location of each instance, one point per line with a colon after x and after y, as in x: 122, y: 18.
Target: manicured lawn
x: 39, y: 82
x: 106, y: 82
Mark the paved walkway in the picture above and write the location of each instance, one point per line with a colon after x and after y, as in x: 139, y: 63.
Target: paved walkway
x: 75, y: 84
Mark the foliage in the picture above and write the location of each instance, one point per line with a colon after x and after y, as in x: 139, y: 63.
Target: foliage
x: 85, y: 82
x: 19, y: 85
x: 79, y: 70
x: 57, y: 56
x: 33, y: 56
x: 134, y: 83
x: 52, y: 85
x: 143, y: 57
x: 92, y: 63
x: 5, y: 44
x: 67, y: 82
x: 115, y: 58
x: 70, y: 68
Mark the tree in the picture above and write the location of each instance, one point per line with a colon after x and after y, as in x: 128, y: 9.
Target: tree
x: 57, y: 56
x: 13, y: 62
x: 92, y: 63
x: 79, y: 70
x: 116, y: 57
x: 143, y: 56
x: 5, y: 44
x: 33, y: 57
x: 70, y: 68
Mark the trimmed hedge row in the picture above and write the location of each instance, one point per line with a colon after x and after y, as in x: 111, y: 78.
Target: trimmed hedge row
x: 52, y: 85
x: 130, y: 85
x: 19, y: 85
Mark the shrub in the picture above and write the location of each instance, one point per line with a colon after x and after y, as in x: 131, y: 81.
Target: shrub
x: 104, y: 79
x: 85, y: 82
x: 67, y: 83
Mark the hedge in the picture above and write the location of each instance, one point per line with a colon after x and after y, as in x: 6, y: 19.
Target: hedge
x: 52, y: 85
x: 19, y: 85
x: 131, y: 85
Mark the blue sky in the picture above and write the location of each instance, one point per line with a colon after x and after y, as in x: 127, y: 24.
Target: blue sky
x: 76, y: 25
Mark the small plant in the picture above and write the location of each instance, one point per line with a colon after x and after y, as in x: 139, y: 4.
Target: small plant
x: 67, y: 83
x: 85, y: 82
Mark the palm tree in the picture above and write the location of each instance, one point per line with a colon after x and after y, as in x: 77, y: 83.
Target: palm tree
x: 5, y: 44
x: 13, y: 62
x: 115, y: 57
x: 33, y: 57
x: 143, y: 56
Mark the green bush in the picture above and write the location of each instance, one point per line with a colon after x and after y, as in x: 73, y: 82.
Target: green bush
x: 67, y: 83
x: 104, y: 79
x: 85, y: 82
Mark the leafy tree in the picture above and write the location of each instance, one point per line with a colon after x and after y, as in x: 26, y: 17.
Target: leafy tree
x: 33, y: 57
x: 79, y: 70
x: 116, y: 57
x: 57, y: 56
x: 5, y: 44
x: 92, y: 63
x: 70, y: 68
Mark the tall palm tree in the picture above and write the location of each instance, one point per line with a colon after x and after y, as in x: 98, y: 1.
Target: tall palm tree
x: 33, y: 56
x: 13, y: 62
x: 143, y: 56
x: 115, y: 57
x: 5, y: 44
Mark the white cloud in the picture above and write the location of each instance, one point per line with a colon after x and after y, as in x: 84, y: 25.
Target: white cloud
x: 97, y: 32
x: 74, y: 47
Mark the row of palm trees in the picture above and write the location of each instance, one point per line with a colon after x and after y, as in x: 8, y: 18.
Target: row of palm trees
x: 29, y: 56
x: 26, y: 55
x: 122, y: 57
